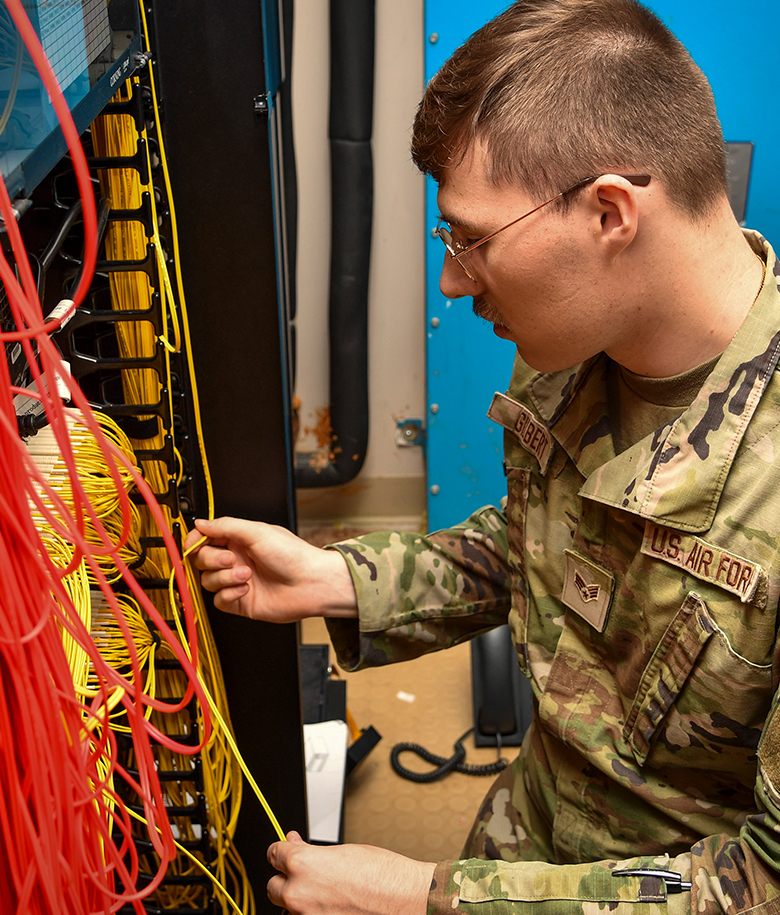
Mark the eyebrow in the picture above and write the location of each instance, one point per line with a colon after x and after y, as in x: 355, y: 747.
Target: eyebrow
x: 469, y: 227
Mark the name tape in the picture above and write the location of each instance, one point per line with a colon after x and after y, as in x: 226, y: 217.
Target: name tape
x: 531, y: 433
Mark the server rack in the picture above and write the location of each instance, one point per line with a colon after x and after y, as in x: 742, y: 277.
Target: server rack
x: 221, y: 121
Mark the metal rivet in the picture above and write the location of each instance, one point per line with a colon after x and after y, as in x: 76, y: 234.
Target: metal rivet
x: 435, y: 322
x: 433, y: 37
x: 434, y: 408
x: 435, y: 489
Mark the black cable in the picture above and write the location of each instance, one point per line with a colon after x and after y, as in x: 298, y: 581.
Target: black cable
x: 443, y: 765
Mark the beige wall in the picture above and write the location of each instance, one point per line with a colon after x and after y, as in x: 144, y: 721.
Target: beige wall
x: 391, y: 486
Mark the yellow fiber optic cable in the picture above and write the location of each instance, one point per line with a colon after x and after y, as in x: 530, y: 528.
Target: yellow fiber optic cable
x: 177, y: 267
x: 222, y: 784
x: 229, y: 737
x: 202, y: 867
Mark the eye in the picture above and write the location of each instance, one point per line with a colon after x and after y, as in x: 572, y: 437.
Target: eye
x: 454, y: 237
x: 462, y: 240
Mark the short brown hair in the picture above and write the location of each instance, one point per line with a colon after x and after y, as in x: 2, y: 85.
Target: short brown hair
x: 559, y: 90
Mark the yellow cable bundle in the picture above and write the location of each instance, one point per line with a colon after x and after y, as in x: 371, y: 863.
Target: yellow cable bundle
x: 115, y: 135
x: 113, y: 647
x: 95, y: 478
x: 78, y: 587
x: 97, y: 483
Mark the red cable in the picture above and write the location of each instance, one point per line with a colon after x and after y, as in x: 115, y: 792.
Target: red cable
x: 55, y: 812
x: 70, y: 132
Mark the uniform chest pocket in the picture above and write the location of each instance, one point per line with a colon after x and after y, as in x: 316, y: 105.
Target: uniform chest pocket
x: 668, y: 670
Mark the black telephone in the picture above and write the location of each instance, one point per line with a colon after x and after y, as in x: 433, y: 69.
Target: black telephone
x: 503, y: 700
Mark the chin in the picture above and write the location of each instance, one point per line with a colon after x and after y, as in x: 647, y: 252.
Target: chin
x: 546, y: 362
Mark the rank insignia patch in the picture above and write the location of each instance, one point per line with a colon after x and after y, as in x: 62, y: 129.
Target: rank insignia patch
x: 587, y: 589
x: 588, y: 592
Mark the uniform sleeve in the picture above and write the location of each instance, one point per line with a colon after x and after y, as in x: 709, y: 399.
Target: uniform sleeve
x: 420, y: 593
x: 721, y: 874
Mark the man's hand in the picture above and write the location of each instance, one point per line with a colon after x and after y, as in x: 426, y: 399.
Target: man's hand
x: 346, y: 880
x: 265, y: 572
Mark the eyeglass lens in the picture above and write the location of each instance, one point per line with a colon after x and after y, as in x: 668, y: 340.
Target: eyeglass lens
x: 455, y: 249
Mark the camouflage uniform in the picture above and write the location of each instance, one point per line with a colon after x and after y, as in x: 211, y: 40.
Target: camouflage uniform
x: 642, y: 590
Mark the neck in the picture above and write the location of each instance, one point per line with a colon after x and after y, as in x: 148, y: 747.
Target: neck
x: 699, y: 281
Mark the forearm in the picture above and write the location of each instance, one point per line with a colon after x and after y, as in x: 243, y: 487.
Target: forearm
x: 535, y: 888
x: 420, y: 593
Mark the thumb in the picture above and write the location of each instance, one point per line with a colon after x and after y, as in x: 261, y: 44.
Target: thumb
x: 226, y: 528
x: 293, y: 836
x: 207, y: 526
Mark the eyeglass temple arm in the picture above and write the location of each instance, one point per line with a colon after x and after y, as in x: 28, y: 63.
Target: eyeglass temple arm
x: 636, y: 180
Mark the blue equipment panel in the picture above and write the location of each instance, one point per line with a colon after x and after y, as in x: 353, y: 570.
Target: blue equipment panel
x: 92, y: 50
x: 466, y: 362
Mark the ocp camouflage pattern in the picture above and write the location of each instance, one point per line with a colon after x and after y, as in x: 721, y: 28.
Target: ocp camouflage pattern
x: 642, y: 591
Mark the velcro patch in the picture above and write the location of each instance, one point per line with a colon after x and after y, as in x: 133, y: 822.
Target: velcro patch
x: 706, y: 562
x: 587, y: 590
x: 531, y: 433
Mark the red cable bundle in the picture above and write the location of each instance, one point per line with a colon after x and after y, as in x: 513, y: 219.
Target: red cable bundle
x: 65, y: 833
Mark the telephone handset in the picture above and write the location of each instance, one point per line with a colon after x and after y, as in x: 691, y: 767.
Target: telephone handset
x: 503, y: 701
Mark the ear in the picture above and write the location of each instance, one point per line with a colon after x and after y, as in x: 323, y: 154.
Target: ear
x: 614, y: 205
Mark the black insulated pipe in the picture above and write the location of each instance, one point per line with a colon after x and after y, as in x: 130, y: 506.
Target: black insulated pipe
x: 352, y: 46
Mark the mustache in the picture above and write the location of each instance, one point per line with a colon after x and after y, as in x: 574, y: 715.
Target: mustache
x: 483, y: 309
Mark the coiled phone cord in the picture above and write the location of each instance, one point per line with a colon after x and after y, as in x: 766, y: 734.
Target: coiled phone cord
x: 443, y: 764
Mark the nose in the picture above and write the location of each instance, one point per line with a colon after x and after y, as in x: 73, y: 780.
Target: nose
x: 455, y: 282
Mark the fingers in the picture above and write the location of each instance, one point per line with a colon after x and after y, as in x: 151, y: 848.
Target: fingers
x: 211, y: 553
x: 275, y: 889
x: 230, y: 585
x: 229, y: 600
x: 346, y: 878
x: 192, y: 538
x: 220, y: 569
x: 279, y: 855
x: 211, y: 558
x: 220, y: 531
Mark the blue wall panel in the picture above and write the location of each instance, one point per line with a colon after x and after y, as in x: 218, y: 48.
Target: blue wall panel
x: 466, y: 363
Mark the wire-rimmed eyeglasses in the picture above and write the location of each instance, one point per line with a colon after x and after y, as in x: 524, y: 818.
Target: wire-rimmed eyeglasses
x: 459, y: 252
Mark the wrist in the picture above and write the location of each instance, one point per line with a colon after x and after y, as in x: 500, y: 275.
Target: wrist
x: 335, y: 578
x: 424, y: 881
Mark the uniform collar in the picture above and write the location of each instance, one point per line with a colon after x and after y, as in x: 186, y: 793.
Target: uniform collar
x: 676, y: 474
